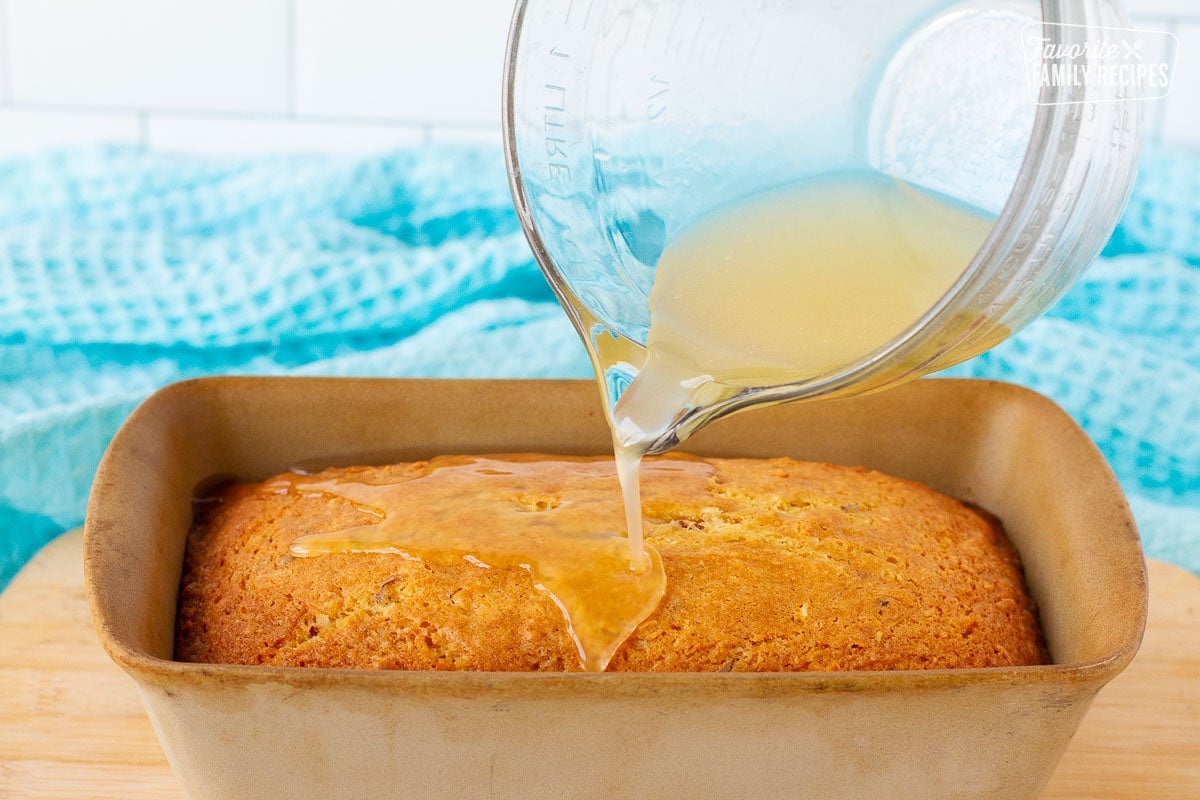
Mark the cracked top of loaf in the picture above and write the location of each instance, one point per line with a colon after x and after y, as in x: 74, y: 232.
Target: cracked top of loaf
x: 771, y: 565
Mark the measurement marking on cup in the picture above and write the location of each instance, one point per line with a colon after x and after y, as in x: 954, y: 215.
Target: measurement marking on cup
x: 753, y: 53
x: 610, y: 18
x: 659, y: 88
x: 554, y: 108
x: 650, y: 25
x: 720, y: 46
x: 671, y: 34
x: 558, y: 95
x: 695, y: 40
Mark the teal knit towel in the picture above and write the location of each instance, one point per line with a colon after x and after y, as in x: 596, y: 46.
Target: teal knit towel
x: 122, y: 270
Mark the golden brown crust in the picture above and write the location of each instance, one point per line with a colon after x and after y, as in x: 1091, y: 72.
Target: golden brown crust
x: 771, y: 565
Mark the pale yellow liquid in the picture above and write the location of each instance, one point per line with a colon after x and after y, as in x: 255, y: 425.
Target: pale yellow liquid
x: 482, y: 511
x: 783, y: 288
x: 780, y: 289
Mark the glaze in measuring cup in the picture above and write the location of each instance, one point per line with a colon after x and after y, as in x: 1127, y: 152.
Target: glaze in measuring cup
x: 627, y: 120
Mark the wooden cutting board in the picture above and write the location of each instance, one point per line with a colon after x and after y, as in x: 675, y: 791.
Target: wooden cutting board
x: 72, y: 726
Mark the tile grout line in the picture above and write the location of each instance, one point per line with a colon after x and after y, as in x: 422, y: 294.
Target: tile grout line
x: 1160, y: 119
x: 5, y: 56
x: 251, y: 116
x: 143, y: 117
x: 1154, y: 110
x: 290, y: 55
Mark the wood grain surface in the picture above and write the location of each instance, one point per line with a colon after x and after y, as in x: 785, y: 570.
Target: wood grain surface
x: 72, y: 726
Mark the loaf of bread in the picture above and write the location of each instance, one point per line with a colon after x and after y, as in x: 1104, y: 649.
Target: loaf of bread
x: 771, y: 565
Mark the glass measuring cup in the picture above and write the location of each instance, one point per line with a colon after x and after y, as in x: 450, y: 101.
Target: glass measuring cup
x: 626, y: 121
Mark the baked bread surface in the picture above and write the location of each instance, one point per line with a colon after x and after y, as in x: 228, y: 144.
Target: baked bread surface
x: 771, y: 565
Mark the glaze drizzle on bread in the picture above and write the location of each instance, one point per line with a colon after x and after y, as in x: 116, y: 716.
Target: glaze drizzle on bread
x: 771, y: 565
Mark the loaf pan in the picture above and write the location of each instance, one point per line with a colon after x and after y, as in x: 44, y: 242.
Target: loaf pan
x: 271, y: 732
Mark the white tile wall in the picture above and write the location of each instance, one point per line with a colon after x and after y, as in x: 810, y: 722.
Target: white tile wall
x: 331, y: 75
x: 1154, y: 51
x: 215, y: 135
x: 5, y: 94
x: 473, y: 134
x: 27, y: 131
x: 1181, y: 115
x: 1164, y: 8
x: 402, y: 60
x: 215, y: 54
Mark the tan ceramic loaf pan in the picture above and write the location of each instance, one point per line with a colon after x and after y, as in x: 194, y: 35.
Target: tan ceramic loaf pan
x: 264, y: 732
